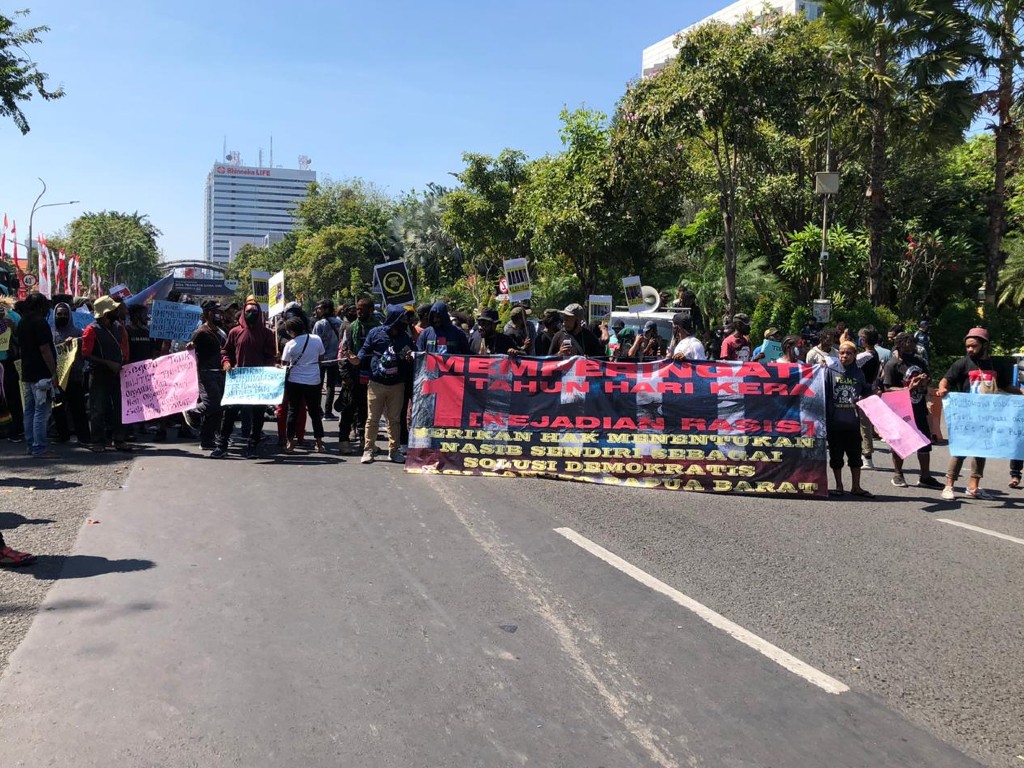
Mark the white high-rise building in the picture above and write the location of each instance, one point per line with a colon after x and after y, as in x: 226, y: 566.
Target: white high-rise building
x: 245, y: 204
x: 656, y: 56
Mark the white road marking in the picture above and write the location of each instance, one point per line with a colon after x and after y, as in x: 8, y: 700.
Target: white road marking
x: 976, y: 529
x: 762, y: 646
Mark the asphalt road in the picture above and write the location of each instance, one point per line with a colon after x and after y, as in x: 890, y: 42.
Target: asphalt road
x: 314, y: 611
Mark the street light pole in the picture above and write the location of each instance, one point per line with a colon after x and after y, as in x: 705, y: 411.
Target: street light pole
x: 113, y: 281
x: 35, y: 207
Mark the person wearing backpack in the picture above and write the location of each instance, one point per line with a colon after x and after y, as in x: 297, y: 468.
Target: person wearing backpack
x: 387, y: 355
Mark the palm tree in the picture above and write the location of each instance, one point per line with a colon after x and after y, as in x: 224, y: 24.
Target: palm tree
x: 905, y: 62
x: 999, y: 23
x: 1011, y: 276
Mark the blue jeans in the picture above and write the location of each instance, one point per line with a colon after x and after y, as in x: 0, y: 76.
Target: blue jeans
x: 38, y: 401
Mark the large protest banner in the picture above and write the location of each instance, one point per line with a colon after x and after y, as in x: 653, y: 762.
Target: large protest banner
x: 174, y: 321
x: 986, y: 426
x: 254, y: 386
x: 151, y: 389
x: 694, y: 426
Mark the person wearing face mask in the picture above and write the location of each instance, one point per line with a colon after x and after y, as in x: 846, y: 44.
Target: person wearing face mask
x: 249, y: 345
x: 208, y: 342
x: 73, y: 411
x: 792, y: 349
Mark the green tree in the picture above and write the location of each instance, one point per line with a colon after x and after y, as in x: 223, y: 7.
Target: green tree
x: 427, y: 245
x: 715, y: 97
x: 904, y: 82
x: 326, y: 262
x: 119, y: 246
x: 250, y: 258
x: 1000, y: 23
x: 19, y: 75
x: 478, y: 214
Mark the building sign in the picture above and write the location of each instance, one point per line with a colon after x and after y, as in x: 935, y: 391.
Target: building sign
x: 235, y: 170
x: 199, y: 287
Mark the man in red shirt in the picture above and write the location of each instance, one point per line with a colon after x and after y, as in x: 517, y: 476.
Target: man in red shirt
x: 105, y: 347
x: 736, y: 345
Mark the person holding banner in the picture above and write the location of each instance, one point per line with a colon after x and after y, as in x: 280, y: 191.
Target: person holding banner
x: 442, y: 336
x: 848, y: 385
x: 105, y: 348
x: 486, y: 340
x: 520, y: 331
x: 208, y: 342
x: 687, y: 346
x: 905, y: 370
x: 973, y: 373
x: 249, y: 345
x: 575, y: 339
x: 73, y: 410
x: 551, y: 324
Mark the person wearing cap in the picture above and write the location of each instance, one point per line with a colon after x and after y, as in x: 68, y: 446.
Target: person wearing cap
x: 486, y: 340
x: 973, y: 373
x: 648, y: 345
x: 736, y: 345
x: 772, y: 334
x: 73, y: 414
x: 520, y: 331
x: 105, y: 348
x: 687, y: 346
x: 551, y: 324
x: 905, y: 370
x: 575, y: 338
x: 208, y: 342
x: 847, y: 385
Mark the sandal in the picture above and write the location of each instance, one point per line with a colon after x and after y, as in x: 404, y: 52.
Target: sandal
x: 863, y: 493
x: 1015, y: 482
x: 289, y: 447
x: 319, y: 446
x: 97, y: 448
x: 123, y: 447
x: 12, y: 558
x: 836, y: 492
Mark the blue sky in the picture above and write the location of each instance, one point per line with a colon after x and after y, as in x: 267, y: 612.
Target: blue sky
x: 390, y: 92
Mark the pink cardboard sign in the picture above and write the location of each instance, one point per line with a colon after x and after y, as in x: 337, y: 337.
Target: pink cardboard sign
x: 152, y: 389
x: 893, y: 416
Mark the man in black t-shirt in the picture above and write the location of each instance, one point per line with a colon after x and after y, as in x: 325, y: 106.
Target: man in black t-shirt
x: 208, y: 341
x: 575, y: 338
x: 976, y: 374
x: 486, y: 340
x: 551, y: 324
x: 38, y: 373
x: 906, y: 370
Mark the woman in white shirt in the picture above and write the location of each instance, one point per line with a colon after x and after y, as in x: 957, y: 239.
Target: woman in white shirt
x: 302, y: 356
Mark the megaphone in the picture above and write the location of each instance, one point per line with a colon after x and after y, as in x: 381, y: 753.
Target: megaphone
x: 651, y: 298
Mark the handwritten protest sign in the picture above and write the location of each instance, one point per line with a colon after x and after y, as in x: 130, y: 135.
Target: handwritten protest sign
x: 275, y: 299
x: 986, y: 426
x: 66, y: 356
x: 600, y: 309
x: 518, y: 277
x: 254, y: 386
x: 151, y: 389
x: 174, y: 321
x: 893, y: 417
x: 634, y: 294
x: 772, y: 350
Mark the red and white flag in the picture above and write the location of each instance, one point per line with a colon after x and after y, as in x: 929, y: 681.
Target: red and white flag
x: 97, y: 285
x: 3, y: 241
x: 74, y: 283
x: 61, y: 283
x: 45, y: 273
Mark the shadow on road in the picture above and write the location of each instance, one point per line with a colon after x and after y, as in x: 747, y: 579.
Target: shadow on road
x: 40, y: 484
x: 10, y: 520
x: 50, y: 568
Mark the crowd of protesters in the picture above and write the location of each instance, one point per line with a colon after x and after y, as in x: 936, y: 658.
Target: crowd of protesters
x: 353, y: 364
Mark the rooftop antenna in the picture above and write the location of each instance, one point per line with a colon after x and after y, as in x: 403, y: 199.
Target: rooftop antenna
x: 271, y: 151
x: 224, y: 154
x: 304, y: 163
x: 261, y: 157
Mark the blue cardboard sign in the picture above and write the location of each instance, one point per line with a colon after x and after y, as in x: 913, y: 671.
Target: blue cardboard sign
x: 254, y: 386
x: 170, y: 320
x: 985, y: 426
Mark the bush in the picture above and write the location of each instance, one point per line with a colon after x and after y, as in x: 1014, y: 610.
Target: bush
x: 798, y: 319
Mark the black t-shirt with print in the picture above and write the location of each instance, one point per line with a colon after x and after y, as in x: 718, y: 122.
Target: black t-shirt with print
x: 971, y: 375
x: 34, y: 333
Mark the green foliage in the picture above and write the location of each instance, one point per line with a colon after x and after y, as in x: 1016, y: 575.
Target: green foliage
x: 863, y: 313
x: 801, y: 264
x: 110, y: 241
x: 800, y: 317
x: 324, y: 263
x: 555, y: 284
x: 20, y: 77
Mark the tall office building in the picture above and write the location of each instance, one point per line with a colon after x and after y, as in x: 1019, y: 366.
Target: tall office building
x: 250, y: 205
x: 656, y: 56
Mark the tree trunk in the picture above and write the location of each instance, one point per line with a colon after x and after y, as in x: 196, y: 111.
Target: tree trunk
x: 1004, y: 130
x: 878, y: 214
x: 726, y: 205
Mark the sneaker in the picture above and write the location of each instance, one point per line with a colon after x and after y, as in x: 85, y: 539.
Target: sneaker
x: 899, y: 481
x: 397, y: 457
x: 345, y: 448
x: 868, y: 464
x: 979, y: 493
x: 218, y: 453
x: 191, y: 419
x: 12, y: 558
x: 948, y: 493
x: 367, y: 458
x: 330, y: 417
x: 929, y: 482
